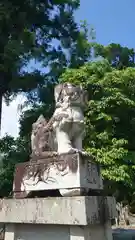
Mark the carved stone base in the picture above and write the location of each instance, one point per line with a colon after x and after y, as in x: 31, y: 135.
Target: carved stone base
x: 71, y: 174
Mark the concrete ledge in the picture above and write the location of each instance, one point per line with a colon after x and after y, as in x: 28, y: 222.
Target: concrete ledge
x: 65, y: 210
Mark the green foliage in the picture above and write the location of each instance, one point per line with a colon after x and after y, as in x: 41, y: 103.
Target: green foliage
x: 32, y: 30
x: 110, y: 125
x: 28, y: 29
x: 12, y: 152
x: 42, y: 100
x: 118, y: 56
x: 46, y: 31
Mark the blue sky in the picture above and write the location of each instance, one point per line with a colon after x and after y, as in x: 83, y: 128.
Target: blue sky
x: 113, y: 20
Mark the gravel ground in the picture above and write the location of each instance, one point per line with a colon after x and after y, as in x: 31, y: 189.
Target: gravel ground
x: 124, y: 234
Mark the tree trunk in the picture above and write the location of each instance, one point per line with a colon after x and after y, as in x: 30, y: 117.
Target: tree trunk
x: 0, y: 111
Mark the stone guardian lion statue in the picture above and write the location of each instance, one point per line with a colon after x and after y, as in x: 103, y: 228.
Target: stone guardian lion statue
x: 65, y: 130
x: 70, y: 100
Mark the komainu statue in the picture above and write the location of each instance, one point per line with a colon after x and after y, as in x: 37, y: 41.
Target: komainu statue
x: 65, y: 130
x: 69, y: 129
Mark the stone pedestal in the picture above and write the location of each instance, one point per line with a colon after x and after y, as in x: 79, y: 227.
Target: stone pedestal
x: 71, y: 174
x: 65, y: 218
x: 47, y: 232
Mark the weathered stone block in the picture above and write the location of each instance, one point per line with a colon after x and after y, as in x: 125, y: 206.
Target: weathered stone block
x: 65, y: 172
x: 64, y: 211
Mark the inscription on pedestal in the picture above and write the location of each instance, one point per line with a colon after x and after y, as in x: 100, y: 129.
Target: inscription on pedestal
x: 93, y: 173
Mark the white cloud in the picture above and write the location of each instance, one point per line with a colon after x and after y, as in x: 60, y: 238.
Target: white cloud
x: 10, y: 117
